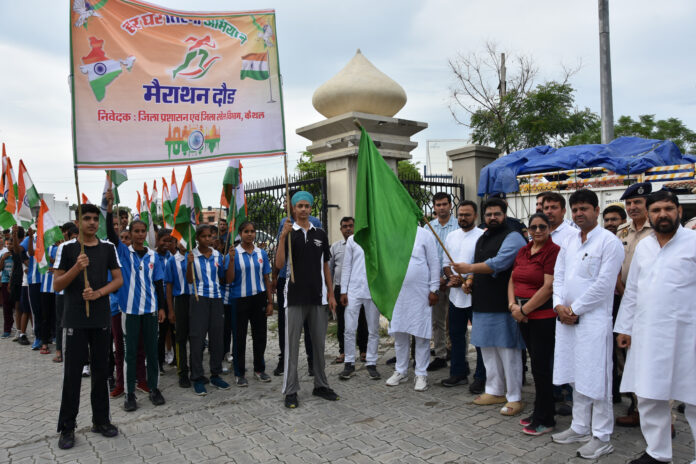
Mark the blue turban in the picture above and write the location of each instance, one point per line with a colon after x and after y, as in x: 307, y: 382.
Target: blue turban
x: 302, y: 195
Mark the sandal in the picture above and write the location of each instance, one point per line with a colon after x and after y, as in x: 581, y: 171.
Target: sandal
x: 58, y: 358
x: 45, y: 350
x: 512, y: 408
x: 340, y: 359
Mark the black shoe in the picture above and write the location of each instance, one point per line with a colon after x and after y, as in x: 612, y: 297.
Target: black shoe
x: 184, y: 381
x: 432, y: 352
x: 391, y: 361
x: 130, y: 404
x: 477, y: 386
x: 310, y: 371
x: 291, y: 401
x: 326, y: 393
x: 645, y: 459
x: 279, y: 370
x: 23, y: 340
x: 156, y: 397
x: 66, y: 439
x: 437, y: 363
x: 348, y: 371
x: 681, y: 408
x: 564, y: 409
x: 373, y: 372
x: 454, y: 381
x: 108, y: 430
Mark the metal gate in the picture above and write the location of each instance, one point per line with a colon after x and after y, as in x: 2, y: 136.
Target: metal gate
x: 422, y: 192
x: 266, y: 204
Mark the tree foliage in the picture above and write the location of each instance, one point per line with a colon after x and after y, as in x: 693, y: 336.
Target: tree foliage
x: 525, y: 115
x: 408, y: 170
x: 646, y: 126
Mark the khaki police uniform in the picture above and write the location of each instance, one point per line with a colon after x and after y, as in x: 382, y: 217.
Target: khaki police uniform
x: 630, y: 236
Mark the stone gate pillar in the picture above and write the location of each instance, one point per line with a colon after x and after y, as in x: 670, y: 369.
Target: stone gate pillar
x: 359, y: 91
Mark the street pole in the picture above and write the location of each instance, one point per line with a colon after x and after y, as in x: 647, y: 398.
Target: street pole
x: 605, y: 73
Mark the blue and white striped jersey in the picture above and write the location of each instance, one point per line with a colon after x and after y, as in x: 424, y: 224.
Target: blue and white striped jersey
x: 33, y: 276
x: 47, y: 278
x: 227, y: 290
x: 175, y: 274
x: 137, y: 295
x: 209, y: 273
x: 249, y: 269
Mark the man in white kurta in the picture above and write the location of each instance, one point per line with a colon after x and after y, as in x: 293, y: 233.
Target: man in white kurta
x: 355, y: 293
x: 657, y: 322
x: 583, y: 296
x: 412, y: 311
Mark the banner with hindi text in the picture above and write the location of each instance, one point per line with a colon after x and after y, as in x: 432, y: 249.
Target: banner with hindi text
x: 153, y: 86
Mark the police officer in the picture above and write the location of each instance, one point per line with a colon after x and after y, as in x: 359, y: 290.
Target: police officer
x: 630, y: 233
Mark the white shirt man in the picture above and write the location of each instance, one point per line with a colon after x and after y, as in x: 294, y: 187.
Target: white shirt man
x: 583, y: 296
x: 355, y: 290
x: 657, y: 322
x: 412, y: 311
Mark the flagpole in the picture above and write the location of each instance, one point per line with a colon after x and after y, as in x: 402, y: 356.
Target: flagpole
x: 79, y: 223
x: 287, y: 208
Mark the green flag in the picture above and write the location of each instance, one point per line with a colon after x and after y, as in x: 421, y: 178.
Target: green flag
x: 386, y: 221
x: 118, y: 176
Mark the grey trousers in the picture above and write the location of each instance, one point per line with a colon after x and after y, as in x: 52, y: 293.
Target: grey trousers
x: 318, y: 317
x: 439, y: 317
x: 205, y: 316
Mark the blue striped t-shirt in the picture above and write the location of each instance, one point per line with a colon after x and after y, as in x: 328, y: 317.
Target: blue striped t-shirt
x: 209, y: 272
x: 137, y: 295
x: 249, y: 269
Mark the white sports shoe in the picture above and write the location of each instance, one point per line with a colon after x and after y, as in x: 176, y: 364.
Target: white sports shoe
x: 421, y: 383
x: 595, y: 448
x: 396, y: 379
x: 570, y: 436
x: 85, y: 371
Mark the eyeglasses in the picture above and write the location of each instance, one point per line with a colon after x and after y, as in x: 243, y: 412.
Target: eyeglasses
x: 540, y: 227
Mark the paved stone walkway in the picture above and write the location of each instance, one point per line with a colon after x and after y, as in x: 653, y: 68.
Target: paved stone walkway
x: 370, y: 423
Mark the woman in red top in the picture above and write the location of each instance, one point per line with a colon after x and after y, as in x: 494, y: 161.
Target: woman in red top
x: 530, y: 298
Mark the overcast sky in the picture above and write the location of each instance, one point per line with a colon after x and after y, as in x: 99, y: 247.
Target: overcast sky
x: 411, y: 41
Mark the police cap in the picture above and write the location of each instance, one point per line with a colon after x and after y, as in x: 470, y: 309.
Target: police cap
x: 640, y: 189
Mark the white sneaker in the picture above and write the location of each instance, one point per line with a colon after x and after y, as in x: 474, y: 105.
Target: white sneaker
x: 595, y: 448
x: 85, y: 371
x: 169, y: 357
x: 570, y: 436
x: 396, y: 379
x: 230, y: 358
x: 421, y: 383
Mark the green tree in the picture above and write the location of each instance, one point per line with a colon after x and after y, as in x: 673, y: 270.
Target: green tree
x: 307, y: 168
x: 408, y: 170
x: 646, y: 126
x: 507, y: 110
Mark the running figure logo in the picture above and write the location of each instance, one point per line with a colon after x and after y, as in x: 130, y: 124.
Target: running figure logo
x: 191, y: 69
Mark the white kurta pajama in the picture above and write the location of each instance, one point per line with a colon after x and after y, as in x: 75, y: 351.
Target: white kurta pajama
x: 584, y: 279
x: 354, y: 285
x: 658, y: 311
x: 412, y: 313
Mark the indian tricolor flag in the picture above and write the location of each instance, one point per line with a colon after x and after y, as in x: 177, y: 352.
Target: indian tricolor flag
x: 117, y: 176
x: 27, y: 195
x: 255, y: 66
x: 184, y: 213
x: 9, y: 187
x: 47, y: 233
x: 234, y: 198
x: 167, y: 209
x: 174, y: 191
x: 197, y: 204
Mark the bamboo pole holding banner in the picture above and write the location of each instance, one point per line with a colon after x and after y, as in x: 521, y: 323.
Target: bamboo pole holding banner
x: 81, y: 237
x: 287, y: 208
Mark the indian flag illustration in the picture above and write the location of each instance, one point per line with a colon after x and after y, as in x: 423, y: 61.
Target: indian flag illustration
x: 101, y: 70
x: 255, y: 66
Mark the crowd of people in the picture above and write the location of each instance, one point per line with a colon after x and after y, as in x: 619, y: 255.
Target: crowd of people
x: 596, y: 311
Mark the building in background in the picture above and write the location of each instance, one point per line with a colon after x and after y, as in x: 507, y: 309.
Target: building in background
x: 437, y: 164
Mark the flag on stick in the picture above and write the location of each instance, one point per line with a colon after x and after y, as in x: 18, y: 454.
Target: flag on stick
x: 382, y: 206
x: 233, y: 193
x: 47, y: 234
x: 118, y: 176
x: 184, y: 213
x: 167, y: 209
x: 174, y: 191
x: 101, y: 232
x: 27, y: 195
x: 85, y: 200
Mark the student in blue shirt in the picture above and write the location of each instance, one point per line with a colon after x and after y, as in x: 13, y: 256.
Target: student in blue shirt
x: 206, y: 268
x: 48, y: 302
x: 254, y: 301
x: 142, y: 299
x: 6, y: 264
x: 34, y: 290
x: 163, y: 255
x: 178, y: 295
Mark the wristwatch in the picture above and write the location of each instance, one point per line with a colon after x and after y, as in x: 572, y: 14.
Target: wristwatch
x: 436, y: 292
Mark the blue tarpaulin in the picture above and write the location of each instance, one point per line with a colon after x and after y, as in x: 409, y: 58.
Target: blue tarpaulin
x: 625, y: 155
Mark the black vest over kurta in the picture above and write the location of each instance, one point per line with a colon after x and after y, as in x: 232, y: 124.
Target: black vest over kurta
x: 488, y: 293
